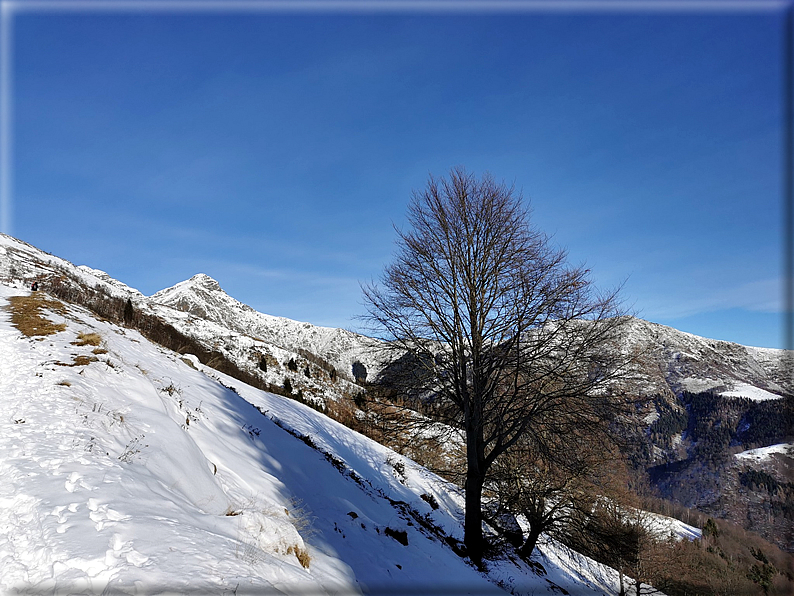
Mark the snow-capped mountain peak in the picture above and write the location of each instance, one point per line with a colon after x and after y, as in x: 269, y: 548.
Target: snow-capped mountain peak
x: 204, y: 281
x: 200, y: 284
x: 202, y: 296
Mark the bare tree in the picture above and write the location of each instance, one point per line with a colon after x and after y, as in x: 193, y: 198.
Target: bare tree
x: 499, y: 331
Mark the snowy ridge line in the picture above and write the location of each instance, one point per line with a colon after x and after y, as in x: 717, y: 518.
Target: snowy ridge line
x: 761, y: 454
x: 203, y: 297
x: 200, y: 309
x: 21, y: 263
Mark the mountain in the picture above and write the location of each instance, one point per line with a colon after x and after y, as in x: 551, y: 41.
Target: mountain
x: 673, y: 361
x: 126, y: 467
x: 686, y: 387
x: 676, y: 361
x: 701, y: 404
x: 202, y: 297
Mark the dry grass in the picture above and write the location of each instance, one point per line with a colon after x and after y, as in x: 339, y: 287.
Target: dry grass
x: 301, y: 554
x: 79, y: 361
x: 87, y: 339
x: 99, y: 351
x: 64, y: 383
x: 26, y: 314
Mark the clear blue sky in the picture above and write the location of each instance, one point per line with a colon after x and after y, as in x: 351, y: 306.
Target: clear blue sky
x: 274, y: 151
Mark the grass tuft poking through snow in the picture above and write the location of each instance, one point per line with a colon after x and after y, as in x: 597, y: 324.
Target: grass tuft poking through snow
x: 79, y: 361
x: 301, y: 554
x: 87, y: 339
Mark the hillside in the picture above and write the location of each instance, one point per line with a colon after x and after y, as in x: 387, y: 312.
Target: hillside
x: 128, y: 467
x: 206, y: 341
x: 675, y: 361
x: 202, y: 297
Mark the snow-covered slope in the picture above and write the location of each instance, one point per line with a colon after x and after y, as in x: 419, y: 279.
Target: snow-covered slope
x: 200, y: 310
x: 763, y: 454
x: 127, y: 467
x: 21, y: 264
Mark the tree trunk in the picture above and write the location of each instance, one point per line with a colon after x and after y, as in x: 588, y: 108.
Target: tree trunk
x: 472, y: 525
x: 531, y: 541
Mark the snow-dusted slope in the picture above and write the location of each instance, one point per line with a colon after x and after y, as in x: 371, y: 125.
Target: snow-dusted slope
x: 125, y: 467
x: 762, y: 454
x: 675, y: 361
x: 21, y: 264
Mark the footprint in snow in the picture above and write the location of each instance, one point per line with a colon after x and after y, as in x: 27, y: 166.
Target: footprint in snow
x: 72, y: 483
x: 58, y: 512
x: 103, y: 516
x: 121, y: 549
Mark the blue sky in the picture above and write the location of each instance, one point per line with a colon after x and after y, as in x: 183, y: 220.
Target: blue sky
x: 274, y: 150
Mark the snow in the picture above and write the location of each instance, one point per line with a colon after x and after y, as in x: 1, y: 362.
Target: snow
x: 21, y: 263
x: 144, y: 472
x: 762, y: 454
x: 751, y: 392
x: 199, y: 308
x: 698, y: 385
x: 103, y: 484
x: 665, y: 526
x: 651, y: 418
x: 737, y: 389
x: 679, y: 361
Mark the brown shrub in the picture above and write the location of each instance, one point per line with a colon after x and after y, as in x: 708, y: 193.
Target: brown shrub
x: 79, y: 361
